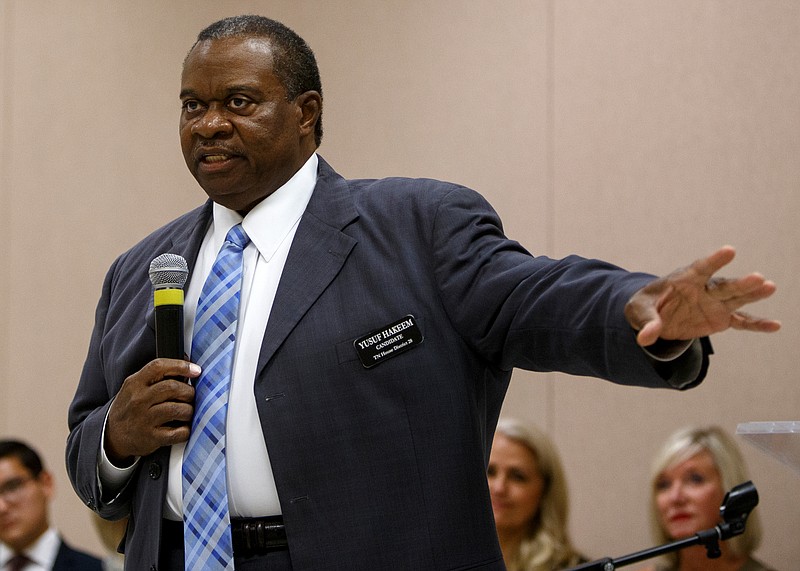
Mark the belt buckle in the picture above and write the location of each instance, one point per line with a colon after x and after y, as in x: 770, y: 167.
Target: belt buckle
x: 259, y: 535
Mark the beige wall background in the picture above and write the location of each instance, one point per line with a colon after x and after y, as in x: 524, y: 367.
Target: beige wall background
x: 643, y: 132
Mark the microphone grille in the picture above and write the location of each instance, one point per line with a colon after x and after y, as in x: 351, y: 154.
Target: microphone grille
x: 168, y: 271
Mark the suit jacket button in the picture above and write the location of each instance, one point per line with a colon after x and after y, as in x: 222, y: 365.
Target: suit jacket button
x: 155, y: 471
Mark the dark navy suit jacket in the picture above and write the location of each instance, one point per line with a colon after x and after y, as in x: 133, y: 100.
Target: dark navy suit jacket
x: 69, y: 559
x: 380, y: 467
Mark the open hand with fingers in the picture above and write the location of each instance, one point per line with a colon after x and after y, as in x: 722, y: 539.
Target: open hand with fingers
x: 692, y: 302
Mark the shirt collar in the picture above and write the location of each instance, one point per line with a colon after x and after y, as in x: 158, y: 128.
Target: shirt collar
x: 270, y: 221
x: 43, y: 551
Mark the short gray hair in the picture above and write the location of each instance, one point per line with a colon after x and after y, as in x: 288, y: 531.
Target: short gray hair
x: 293, y: 63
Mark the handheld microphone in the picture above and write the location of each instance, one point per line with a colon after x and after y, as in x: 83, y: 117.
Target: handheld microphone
x: 168, y: 274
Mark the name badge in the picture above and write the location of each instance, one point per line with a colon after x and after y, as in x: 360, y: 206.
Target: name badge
x: 388, y: 341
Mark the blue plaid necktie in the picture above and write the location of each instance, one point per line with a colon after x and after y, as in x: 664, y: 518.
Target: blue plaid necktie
x: 207, y: 526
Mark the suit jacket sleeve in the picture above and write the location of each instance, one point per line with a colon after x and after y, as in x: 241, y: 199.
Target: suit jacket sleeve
x: 122, y: 342
x: 87, y: 417
x: 537, y: 313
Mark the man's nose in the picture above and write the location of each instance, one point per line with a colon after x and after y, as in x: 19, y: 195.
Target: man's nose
x: 213, y: 123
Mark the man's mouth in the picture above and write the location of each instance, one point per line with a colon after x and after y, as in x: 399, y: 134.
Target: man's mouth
x: 213, y: 161
x: 215, y: 158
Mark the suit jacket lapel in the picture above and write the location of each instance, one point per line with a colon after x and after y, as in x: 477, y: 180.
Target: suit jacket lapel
x: 185, y: 241
x: 316, y: 256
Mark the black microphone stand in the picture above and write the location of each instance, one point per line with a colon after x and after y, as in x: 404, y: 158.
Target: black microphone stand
x: 736, y: 506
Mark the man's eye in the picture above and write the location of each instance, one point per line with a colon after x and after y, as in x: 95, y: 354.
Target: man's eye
x: 190, y: 105
x: 238, y: 102
x: 11, y: 486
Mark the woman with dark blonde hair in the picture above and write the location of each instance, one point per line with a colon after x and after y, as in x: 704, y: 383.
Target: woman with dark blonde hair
x: 690, y: 476
x: 529, y: 499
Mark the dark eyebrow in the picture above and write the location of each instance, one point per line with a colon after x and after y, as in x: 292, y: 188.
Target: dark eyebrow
x: 247, y: 89
x: 232, y: 90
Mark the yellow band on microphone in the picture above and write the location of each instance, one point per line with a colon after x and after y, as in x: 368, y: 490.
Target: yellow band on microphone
x: 168, y: 297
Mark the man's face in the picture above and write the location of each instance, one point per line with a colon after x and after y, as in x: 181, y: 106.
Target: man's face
x: 24, y: 504
x: 241, y: 138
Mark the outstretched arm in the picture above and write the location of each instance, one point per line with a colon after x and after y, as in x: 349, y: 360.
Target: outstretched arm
x: 691, y: 302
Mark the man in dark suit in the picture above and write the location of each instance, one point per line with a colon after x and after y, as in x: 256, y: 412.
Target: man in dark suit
x: 26, y: 539
x: 379, y: 323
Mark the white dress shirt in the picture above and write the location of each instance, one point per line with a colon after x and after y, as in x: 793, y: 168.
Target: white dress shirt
x: 271, y: 226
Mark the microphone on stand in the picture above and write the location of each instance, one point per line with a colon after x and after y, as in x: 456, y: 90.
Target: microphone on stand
x: 168, y: 274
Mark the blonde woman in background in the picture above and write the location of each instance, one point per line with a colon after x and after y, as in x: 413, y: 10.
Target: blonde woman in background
x: 529, y: 499
x: 690, y: 476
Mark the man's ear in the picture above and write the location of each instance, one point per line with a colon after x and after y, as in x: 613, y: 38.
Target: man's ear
x: 309, y: 108
x: 47, y: 483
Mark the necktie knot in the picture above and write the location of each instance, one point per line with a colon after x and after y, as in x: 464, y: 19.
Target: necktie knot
x: 17, y: 563
x: 238, y: 237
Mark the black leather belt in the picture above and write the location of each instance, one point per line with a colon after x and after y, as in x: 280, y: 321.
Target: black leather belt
x: 251, y: 536
x: 258, y: 535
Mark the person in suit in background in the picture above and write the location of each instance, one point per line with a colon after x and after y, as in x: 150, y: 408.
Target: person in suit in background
x: 691, y: 474
x: 27, y: 541
x: 529, y: 499
x: 378, y: 325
